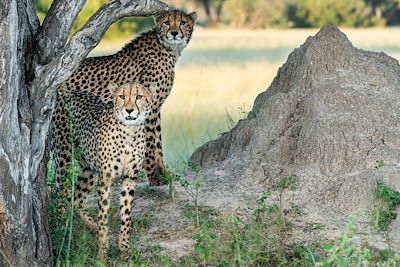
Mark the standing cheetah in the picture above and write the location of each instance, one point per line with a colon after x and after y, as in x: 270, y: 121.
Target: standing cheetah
x: 149, y: 59
x: 113, y: 140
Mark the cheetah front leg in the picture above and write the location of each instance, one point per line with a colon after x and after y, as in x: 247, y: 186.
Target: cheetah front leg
x: 126, y: 207
x: 153, y: 163
x: 104, y: 205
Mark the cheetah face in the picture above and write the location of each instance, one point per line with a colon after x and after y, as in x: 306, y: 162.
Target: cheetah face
x: 132, y: 102
x: 175, y: 28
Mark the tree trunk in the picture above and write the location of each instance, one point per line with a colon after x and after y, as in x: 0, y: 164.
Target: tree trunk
x: 23, y: 224
x: 40, y: 58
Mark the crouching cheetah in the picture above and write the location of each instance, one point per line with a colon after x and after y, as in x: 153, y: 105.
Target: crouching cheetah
x: 113, y: 140
x: 149, y: 59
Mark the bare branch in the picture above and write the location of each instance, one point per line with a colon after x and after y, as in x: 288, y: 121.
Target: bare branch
x: 56, y: 28
x: 50, y: 76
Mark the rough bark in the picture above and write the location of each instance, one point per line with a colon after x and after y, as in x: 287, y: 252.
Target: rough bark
x: 38, y: 57
x: 19, y: 246
x: 331, y: 112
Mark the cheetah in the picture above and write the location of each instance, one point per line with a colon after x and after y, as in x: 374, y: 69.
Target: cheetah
x: 113, y: 141
x: 149, y: 59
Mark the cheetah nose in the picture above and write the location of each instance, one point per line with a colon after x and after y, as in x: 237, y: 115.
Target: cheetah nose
x: 129, y: 111
x: 174, y: 34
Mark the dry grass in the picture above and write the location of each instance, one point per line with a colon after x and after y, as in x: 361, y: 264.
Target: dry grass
x: 222, y: 71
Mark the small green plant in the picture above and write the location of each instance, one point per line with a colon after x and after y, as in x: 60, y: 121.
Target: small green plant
x: 289, y: 183
x: 169, y: 177
x: 263, y: 210
x: 205, y: 238
x: 379, y: 164
x: 192, y: 188
x: 343, y: 252
x: 387, y: 212
x: 207, y: 216
x: 205, y: 244
x: 237, y: 238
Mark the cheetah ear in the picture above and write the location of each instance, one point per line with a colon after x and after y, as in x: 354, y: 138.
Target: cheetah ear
x: 157, y: 18
x: 112, y: 87
x: 193, y: 16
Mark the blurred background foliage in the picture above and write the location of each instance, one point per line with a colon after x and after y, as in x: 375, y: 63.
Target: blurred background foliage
x: 259, y: 14
x: 309, y: 13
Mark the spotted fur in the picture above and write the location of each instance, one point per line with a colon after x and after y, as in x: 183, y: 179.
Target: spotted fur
x: 112, y: 137
x: 150, y: 60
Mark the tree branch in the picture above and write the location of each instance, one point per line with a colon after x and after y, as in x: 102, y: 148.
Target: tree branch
x: 50, y: 76
x: 56, y: 28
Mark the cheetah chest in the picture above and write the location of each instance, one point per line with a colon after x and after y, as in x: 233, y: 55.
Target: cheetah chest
x: 120, y: 149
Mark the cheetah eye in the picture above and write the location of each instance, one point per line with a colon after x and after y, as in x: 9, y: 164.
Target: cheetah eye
x: 183, y: 23
x: 139, y: 97
x: 122, y: 97
x: 166, y: 23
